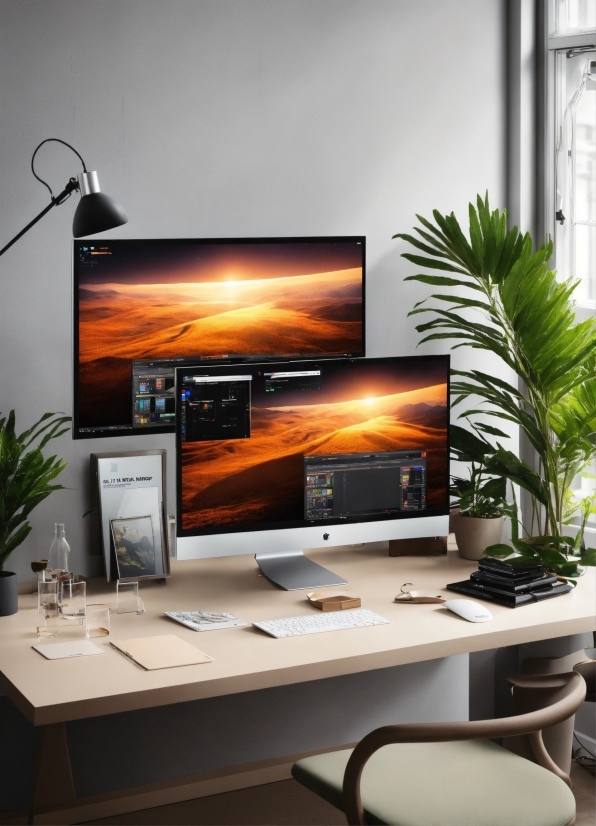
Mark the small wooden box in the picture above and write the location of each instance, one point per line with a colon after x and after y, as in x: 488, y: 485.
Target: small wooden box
x: 333, y: 602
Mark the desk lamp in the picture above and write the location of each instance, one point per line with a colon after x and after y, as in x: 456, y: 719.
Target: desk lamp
x: 96, y: 212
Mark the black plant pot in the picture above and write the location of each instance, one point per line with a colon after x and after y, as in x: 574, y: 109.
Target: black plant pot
x: 9, y: 595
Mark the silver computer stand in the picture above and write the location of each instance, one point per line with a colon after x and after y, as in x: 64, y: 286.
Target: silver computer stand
x: 293, y: 571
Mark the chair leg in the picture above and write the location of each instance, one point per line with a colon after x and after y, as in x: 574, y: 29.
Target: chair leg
x: 558, y: 739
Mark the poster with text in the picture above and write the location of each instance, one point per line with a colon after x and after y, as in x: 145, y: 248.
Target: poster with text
x: 132, y: 486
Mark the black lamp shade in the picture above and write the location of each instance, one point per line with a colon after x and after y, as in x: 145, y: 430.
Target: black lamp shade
x: 97, y: 212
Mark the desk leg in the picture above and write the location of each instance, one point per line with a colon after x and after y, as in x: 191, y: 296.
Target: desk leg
x: 54, y: 785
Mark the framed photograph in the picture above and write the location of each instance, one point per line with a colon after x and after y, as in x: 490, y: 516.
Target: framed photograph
x: 134, y: 545
x: 131, y: 485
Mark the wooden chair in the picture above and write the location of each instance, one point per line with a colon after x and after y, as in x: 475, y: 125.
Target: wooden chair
x: 452, y: 774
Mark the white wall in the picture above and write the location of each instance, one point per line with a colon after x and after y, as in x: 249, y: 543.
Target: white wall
x: 230, y: 118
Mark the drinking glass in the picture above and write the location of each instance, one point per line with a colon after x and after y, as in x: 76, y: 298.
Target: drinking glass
x: 51, y: 615
x: 38, y: 566
x: 47, y: 592
x: 97, y: 620
x: 73, y: 600
x: 128, y: 598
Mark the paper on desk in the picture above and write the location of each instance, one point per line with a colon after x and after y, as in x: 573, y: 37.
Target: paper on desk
x: 165, y: 651
x: 75, y: 648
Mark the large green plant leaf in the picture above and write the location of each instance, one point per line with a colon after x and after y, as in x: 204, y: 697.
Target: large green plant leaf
x: 467, y: 446
x: 526, y: 317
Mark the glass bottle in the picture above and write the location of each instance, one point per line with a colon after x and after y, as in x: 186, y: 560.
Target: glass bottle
x: 58, y: 561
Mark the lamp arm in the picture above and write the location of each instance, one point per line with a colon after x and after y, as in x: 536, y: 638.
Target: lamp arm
x: 71, y: 186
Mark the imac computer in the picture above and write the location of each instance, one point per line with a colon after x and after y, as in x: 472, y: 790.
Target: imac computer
x: 274, y: 458
x: 143, y: 307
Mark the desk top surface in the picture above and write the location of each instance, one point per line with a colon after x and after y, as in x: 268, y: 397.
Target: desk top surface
x: 245, y: 659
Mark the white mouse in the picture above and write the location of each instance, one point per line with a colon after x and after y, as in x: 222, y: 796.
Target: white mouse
x: 469, y: 610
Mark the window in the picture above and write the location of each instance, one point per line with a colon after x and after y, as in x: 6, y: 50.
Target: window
x: 575, y: 171
x: 573, y: 16
x: 571, y: 165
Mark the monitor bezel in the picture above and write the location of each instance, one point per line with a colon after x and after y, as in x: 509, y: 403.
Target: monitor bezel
x: 303, y: 524
x: 116, y: 431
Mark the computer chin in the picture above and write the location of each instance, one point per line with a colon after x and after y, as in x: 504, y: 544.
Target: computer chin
x: 287, y: 540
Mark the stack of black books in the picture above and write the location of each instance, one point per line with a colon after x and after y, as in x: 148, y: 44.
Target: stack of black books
x: 512, y: 585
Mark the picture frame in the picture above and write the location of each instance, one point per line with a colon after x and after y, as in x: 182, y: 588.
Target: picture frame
x: 134, y: 546
x: 131, y: 484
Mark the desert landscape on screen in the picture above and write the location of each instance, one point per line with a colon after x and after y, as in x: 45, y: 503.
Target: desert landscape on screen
x: 260, y: 479
x: 297, y: 314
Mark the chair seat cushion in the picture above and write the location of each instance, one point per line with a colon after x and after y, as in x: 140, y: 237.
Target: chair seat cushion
x: 468, y: 783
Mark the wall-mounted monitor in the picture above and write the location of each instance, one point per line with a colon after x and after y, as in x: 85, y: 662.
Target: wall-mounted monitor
x: 142, y: 307
x: 277, y: 457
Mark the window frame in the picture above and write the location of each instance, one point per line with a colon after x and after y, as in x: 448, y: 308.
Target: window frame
x: 548, y: 44
x: 555, y: 43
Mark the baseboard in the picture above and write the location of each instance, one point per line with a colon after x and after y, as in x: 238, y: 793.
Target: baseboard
x: 167, y: 792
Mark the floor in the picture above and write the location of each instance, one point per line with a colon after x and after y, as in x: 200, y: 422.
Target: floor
x: 277, y: 804
x: 289, y: 804
x: 584, y: 789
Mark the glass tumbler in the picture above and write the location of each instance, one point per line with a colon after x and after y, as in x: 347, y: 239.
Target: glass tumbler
x: 129, y: 601
x: 73, y: 601
x: 38, y: 566
x: 97, y: 620
x: 51, y: 614
x: 47, y: 592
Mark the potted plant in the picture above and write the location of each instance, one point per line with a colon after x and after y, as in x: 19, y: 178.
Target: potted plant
x: 478, y: 501
x: 25, y: 477
x: 499, y: 295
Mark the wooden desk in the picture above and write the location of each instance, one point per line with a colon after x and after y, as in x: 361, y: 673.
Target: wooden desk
x: 49, y: 693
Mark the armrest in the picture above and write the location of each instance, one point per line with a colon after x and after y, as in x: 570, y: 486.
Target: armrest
x: 588, y: 671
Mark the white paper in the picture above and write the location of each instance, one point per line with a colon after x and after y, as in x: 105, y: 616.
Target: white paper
x: 75, y: 648
x: 192, y: 619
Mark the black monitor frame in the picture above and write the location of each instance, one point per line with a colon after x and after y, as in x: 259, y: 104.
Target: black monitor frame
x: 306, y: 523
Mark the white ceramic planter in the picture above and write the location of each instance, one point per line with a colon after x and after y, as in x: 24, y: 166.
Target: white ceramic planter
x: 473, y: 533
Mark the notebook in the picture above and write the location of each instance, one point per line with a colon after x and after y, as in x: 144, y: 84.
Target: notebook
x: 511, y: 600
x: 511, y: 585
x: 509, y: 569
x: 165, y: 651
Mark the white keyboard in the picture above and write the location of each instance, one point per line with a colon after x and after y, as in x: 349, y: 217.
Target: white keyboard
x: 316, y: 623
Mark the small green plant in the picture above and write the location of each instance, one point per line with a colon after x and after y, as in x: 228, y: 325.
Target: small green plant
x: 481, y: 494
x: 25, y: 475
